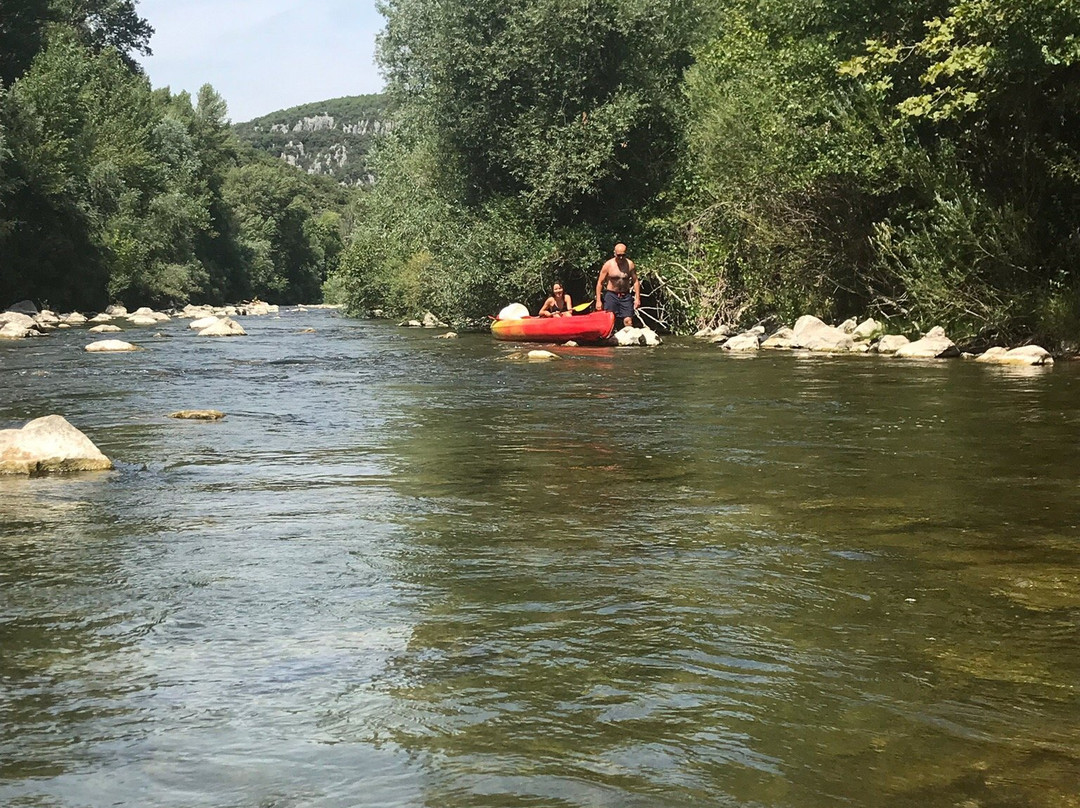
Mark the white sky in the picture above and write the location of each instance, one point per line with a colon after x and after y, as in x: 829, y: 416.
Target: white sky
x: 264, y: 55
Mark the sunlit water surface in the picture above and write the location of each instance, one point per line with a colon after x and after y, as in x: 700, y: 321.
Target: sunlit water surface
x: 415, y: 572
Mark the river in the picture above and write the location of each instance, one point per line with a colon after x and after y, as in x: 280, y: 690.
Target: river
x: 406, y: 571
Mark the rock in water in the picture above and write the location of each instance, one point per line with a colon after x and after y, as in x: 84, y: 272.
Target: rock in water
x: 541, y: 356
x: 198, y: 415
x: 111, y: 346
x: 223, y: 328
x: 48, y: 444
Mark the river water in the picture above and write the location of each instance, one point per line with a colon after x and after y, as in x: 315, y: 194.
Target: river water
x: 414, y: 572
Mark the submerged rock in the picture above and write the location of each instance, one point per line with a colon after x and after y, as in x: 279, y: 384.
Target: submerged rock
x: 105, y: 329
x: 198, y: 415
x: 447, y: 335
x: 48, y: 444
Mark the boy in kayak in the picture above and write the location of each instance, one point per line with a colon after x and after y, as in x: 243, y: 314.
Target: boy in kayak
x: 559, y: 304
x: 617, y: 282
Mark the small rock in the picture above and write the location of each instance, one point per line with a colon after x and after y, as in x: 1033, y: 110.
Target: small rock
x: 848, y: 326
x: 116, y: 310
x: 447, y: 335
x: 312, y: 331
x: 110, y: 346
x: 198, y: 415
x: 541, y: 356
x: 105, y: 329
x: 431, y: 321
x: 142, y: 311
x: 142, y: 319
x: 570, y: 344
x: 101, y: 318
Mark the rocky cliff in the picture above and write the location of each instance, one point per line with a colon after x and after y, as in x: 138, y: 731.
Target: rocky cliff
x: 332, y: 137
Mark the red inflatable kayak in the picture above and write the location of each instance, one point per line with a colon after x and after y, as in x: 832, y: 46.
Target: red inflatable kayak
x: 594, y: 327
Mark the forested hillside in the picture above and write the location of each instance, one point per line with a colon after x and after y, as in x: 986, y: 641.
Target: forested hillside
x: 331, y: 138
x: 919, y: 161
x: 111, y: 191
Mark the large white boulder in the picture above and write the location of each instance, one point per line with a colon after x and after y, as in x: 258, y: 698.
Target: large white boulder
x: 225, y: 327
x: 515, y: 311
x: 628, y: 335
x: 869, y: 329
x: 116, y: 310
x: 203, y: 322
x: 814, y: 335
x: 48, y: 444
x: 142, y: 319
x: 14, y: 331
x: 111, y: 346
x: 1024, y: 355
x: 891, y: 343
x: 74, y: 318
x: 933, y: 345
x: 105, y: 328
x: 741, y: 343
x: 17, y: 318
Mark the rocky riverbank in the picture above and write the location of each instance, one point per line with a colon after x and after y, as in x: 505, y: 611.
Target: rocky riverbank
x: 851, y: 337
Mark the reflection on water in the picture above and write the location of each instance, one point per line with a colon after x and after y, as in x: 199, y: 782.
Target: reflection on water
x: 408, y: 572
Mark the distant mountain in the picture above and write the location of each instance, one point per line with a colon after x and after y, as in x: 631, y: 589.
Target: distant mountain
x: 332, y: 137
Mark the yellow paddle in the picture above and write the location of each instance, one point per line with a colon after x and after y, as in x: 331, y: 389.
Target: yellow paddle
x: 583, y: 306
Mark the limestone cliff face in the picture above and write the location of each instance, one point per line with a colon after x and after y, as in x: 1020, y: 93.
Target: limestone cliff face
x: 327, y: 137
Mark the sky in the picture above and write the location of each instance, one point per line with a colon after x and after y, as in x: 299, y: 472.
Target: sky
x: 264, y: 55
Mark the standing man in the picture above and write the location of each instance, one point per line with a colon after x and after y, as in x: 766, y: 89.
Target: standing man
x: 618, y: 280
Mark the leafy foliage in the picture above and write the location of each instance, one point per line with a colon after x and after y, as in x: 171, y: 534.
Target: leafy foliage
x: 110, y: 190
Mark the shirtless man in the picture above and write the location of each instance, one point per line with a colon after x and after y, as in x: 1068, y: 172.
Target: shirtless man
x: 559, y: 304
x: 618, y: 280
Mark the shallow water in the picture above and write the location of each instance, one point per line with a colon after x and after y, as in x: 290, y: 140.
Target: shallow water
x: 412, y: 572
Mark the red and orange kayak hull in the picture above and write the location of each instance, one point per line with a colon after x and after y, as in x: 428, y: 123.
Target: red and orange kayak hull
x: 584, y: 328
